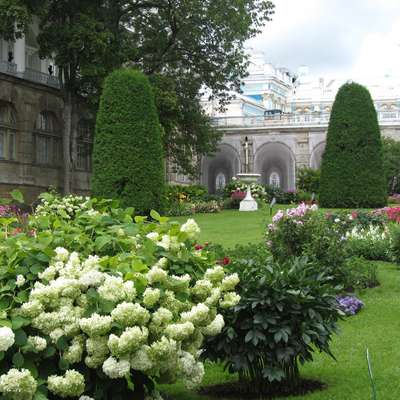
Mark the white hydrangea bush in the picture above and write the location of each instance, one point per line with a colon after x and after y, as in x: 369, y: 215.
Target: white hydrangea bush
x: 119, y: 326
x: 65, y: 207
x: 101, y: 301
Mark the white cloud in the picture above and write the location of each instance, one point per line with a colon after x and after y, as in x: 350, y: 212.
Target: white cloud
x: 334, y: 37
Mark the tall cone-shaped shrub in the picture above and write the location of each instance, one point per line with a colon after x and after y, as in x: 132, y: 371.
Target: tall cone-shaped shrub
x: 352, y: 169
x: 128, y: 155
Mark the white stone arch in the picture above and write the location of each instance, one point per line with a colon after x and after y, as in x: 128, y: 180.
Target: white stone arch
x: 226, y: 161
x: 316, y: 155
x: 279, y: 158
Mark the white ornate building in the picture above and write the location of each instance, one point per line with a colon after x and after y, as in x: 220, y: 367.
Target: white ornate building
x: 284, y: 119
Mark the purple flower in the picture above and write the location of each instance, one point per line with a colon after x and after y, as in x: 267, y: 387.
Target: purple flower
x: 350, y: 305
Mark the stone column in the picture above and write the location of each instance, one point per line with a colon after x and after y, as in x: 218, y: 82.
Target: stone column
x: 302, y: 150
x: 19, y: 54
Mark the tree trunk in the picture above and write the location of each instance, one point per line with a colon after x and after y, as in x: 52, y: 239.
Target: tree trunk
x: 67, y: 142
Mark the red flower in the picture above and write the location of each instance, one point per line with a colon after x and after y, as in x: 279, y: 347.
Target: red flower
x: 238, y: 195
x: 226, y: 261
x: 198, y: 247
x: 354, y: 214
x: 16, y: 231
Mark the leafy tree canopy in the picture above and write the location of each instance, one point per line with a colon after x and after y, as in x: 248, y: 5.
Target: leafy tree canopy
x: 391, y: 163
x: 194, y: 43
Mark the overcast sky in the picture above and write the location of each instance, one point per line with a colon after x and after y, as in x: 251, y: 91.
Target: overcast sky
x: 352, y: 39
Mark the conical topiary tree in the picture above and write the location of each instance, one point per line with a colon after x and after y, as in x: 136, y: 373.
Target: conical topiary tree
x: 352, y: 170
x: 128, y: 156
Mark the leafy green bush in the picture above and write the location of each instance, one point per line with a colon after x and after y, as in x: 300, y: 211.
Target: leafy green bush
x: 391, y: 164
x: 98, y: 301
x: 308, y: 180
x: 212, y: 206
x: 177, y: 209
x: 362, y: 274
x: 352, y: 171
x: 128, y: 154
x: 286, y: 312
x: 188, y: 193
x: 372, y: 243
x: 303, y: 231
x: 395, y: 242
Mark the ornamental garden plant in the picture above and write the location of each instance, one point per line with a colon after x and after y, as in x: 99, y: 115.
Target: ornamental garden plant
x: 352, y: 174
x: 97, y: 303
x: 286, y: 312
x: 128, y: 159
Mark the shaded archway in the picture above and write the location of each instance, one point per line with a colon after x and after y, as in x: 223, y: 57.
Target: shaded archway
x: 277, y: 160
x: 225, y: 163
x: 316, y: 155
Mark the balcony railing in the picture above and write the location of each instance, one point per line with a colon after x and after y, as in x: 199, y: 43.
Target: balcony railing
x: 8, y: 67
x: 297, y: 120
x: 29, y: 74
x: 40, y: 77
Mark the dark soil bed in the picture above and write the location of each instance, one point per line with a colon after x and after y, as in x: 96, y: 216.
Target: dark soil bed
x: 237, y: 390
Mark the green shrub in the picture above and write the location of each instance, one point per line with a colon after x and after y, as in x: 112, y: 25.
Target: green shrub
x: 336, y: 242
x: 188, y: 193
x: 395, y: 242
x: 286, y: 312
x: 212, y: 206
x: 128, y: 154
x: 308, y: 180
x: 303, y: 231
x: 177, y: 209
x: 372, y: 243
x: 362, y: 274
x: 352, y: 171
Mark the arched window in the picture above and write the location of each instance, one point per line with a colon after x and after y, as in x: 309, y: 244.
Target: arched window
x: 84, y: 145
x: 48, y: 147
x: 274, y: 180
x: 220, y: 182
x: 8, y: 128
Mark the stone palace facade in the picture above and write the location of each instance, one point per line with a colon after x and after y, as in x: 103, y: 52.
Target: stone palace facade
x: 31, y: 123
x: 284, y: 120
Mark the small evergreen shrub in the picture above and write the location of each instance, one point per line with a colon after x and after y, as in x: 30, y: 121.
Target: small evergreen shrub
x: 352, y: 172
x: 128, y: 153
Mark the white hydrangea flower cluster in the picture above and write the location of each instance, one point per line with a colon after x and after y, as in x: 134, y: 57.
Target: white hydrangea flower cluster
x: 7, y: 338
x: 158, y: 330
x: 72, y: 384
x: 65, y: 207
x: 18, y: 384
x: 191, y: 228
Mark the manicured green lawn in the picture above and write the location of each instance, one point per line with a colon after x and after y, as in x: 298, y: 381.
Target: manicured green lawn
x: 377, y: 327
x: 231, y: 227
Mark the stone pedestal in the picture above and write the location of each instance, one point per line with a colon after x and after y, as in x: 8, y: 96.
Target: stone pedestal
x: 248, y: 203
